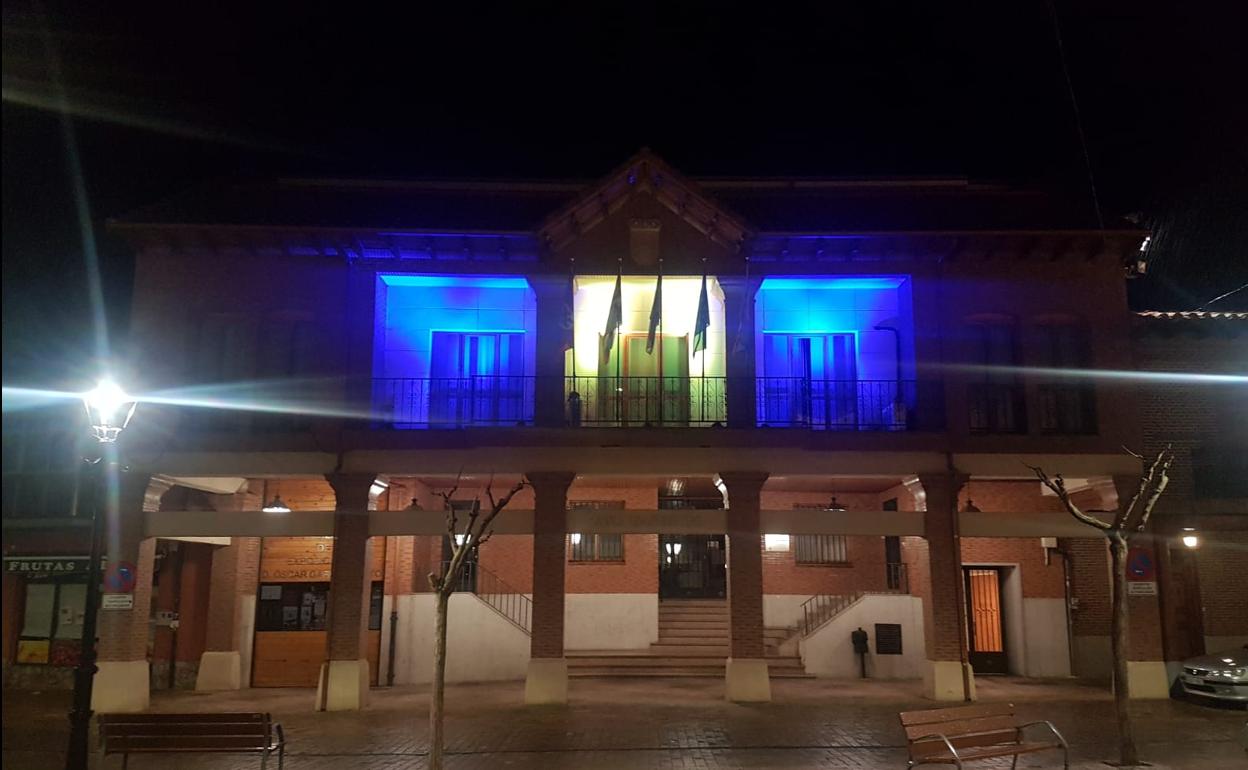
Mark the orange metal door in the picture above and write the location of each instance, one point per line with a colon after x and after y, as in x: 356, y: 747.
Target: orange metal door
x: 985, y: 634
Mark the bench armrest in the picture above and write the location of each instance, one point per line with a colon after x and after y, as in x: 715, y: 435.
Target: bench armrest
x: 1047, y: 724
x: 941, y: 736
x: 281, y: 735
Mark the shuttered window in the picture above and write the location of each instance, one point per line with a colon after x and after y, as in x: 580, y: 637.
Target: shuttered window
x: 820, y: 549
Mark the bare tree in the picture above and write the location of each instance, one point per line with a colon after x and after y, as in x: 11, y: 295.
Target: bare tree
x: 476, y: 530
x: 1128, y: 522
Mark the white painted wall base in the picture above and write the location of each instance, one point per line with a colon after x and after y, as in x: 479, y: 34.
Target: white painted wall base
x: 783, y: 610
x: 343, y: 686
x: 1045, y: 648
x: 1147, y: 679
x: 219, y: 671
x: 546, y: 681
x: 828, y: 652
x: 942, y: 680
x: 610, y: 621
x: 121, y: 687
x: 482, y: 646
x: 746, y: 681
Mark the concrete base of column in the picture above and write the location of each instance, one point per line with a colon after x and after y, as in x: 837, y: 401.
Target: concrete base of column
x: 746, y: 681
x: 942, y: 680
x: 219, y: 671
x: 121, y: 687
x: 546, y: 681
x: 343, y: 686
x: 1147, y: 679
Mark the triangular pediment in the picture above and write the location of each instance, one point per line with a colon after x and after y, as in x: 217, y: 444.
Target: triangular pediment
x: 644, y: 189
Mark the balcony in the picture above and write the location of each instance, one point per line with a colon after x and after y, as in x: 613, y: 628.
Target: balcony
x: 843, y: 405
x: 644, y: 402
x: 453, y: 402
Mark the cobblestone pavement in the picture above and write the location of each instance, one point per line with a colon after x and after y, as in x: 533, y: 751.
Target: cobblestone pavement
x: 668, y: 724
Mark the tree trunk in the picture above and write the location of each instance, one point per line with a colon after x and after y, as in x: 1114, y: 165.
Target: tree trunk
x: 1118, y: 557
x: 439, y: 682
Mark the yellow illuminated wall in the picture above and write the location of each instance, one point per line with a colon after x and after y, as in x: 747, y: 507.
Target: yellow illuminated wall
x: 592, y: 303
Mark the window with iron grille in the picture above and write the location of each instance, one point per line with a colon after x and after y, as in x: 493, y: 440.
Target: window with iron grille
x: 995, y: 401
x: 887, y: 639
x: 820, y: 549
x: 585, y: 546
x: 1066, y: 406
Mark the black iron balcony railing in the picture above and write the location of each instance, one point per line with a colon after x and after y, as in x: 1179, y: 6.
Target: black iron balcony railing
x: 453, y: 401
x: 872, y: 405
x: 646, y: 401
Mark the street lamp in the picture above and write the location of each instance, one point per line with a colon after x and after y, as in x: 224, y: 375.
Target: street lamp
x: 109, y: 410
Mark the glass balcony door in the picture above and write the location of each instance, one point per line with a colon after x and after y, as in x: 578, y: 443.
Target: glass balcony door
x: 651, y: 388
x: 476, y: 377
x: 810, y: 379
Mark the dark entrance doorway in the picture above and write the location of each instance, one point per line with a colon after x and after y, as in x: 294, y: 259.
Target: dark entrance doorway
x: 985, y: 630
x: 692, y: 567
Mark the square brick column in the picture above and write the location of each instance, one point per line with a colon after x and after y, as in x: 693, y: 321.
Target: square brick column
x: 746, y: 678
x: 547, y: 677
x: 554, y: 319
x: 739, y: 295
x: 344, y: 676
x: 231, y: 604
x: 948, y: 675
x: 122, y: 679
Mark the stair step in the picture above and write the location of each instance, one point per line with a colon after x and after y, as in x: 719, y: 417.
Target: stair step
x: 701, y: 673
x: 693, y: 603
x: 693, y: 641
x: 689, y: 649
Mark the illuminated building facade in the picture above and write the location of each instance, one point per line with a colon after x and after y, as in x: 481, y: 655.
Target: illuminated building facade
x: 822, y: 423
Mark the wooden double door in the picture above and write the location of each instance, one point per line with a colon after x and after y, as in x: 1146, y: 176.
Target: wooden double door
x: 692, y: 567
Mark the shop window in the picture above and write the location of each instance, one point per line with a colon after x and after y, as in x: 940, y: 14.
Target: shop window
x: 292, y: 607
x: 591, y: 547
x: 52, y: 622
x: 820, y: 549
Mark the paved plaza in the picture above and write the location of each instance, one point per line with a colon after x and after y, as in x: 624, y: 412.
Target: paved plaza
x: 670, y: 724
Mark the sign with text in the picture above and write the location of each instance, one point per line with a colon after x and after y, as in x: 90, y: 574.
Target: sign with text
x: 117, y: 602
x: 45, y: 565
x: 308, y: 559
x: 1141, y: 588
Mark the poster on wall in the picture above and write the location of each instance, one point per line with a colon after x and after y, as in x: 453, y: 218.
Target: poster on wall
x: 32, y: 651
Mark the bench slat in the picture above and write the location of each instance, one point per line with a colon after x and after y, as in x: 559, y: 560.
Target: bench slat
x: 1005, y: 751
x: 111, y: 719
x: 936, y: 746
x: 136, y: 744
x: 931, y: 716
x: 963, y: 727
x: 215, y: 728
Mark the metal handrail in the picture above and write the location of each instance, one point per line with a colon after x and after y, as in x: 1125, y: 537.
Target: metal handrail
x: 820, y: 609
x: 801, y: 402
x: 507, y: 601
x: 454, y: 401
x: 646, y: 401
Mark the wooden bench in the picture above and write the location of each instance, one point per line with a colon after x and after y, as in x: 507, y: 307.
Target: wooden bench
x: 241, y: 733
x: 966, y: 733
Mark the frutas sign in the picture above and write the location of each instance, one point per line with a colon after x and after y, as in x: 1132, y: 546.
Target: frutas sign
x: 45, y: 565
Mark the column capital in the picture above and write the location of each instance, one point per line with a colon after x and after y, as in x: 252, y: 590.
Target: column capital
x: 549, y: 285
x: 351, y: 490
x: 949, y: 484
x: 550, y: 481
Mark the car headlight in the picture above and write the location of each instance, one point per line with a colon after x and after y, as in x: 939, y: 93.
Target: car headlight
x: 1232, y: 673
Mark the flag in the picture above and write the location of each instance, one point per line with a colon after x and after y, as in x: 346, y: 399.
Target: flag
x: 615, y: 316
x: 703, y: 321
x: 567, y: 324
x: 656, y: 314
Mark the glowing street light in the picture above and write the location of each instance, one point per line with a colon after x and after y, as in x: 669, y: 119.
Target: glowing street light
x: 109, y: 410
x: 276, y: 506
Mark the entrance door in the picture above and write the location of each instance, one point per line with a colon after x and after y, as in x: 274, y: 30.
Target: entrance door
x: 692, y: 567
x: 476, y: 377
x: 810, y: 379
x: 652, y: 389
x: 985, y: 631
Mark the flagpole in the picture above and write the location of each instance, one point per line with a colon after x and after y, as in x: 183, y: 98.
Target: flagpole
x: 662, y: 381
x: 619, y: 343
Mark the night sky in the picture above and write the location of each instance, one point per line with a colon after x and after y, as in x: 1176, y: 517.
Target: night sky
x: 163, y: 99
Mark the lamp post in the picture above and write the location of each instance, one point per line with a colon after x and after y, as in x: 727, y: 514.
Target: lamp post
x: 109, y: 410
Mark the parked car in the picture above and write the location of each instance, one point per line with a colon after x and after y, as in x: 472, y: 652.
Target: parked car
x: 1222, y: 676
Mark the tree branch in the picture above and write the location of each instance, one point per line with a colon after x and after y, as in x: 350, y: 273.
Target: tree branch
x: 496, y: 507
x: 1165, y: 457
x: 1058, y: 486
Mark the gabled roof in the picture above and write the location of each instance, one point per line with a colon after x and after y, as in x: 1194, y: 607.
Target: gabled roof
x: 644, y: 174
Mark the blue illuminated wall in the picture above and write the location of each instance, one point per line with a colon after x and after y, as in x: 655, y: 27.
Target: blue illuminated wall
x: 410, y: 308
x: 833, y: 305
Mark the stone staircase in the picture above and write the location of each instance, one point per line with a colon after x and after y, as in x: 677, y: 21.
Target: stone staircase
x: 693, y: 641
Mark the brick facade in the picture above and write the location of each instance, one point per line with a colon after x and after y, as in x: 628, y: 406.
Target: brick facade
x: 550, y: 505
x: 745, y: 573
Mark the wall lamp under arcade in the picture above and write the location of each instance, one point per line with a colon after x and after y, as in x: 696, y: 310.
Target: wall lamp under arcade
x: 833, y: 505
x: 276, y: 506
x: 970, y: 506
x: 1189, y: 538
